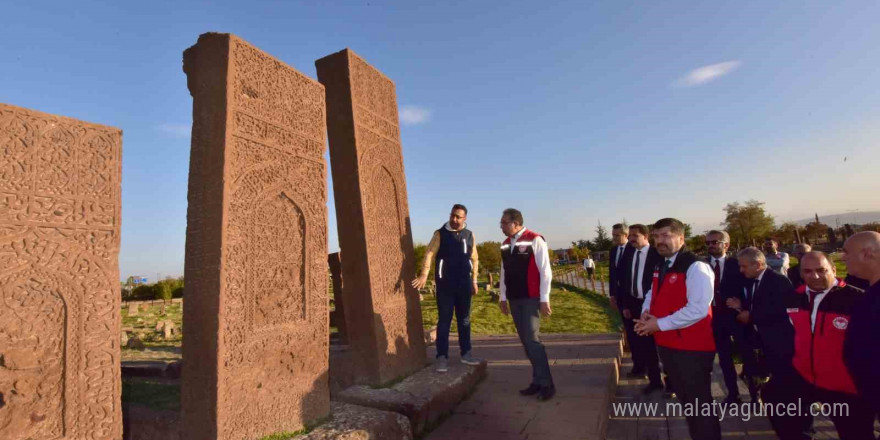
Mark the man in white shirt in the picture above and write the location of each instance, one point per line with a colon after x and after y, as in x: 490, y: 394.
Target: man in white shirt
x: 589, y: 266
x: 525, y: 285
x: 635, y: 284
x: 776, y: 261
x: 681, y: 321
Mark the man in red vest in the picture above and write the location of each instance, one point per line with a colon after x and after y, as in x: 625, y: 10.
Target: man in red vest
x: 820, y: 311
x: 525, y: 284
x: 677, y: 312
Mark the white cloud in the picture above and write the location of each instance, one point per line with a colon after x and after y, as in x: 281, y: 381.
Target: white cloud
x: 412, y: 115
x: 708, y: 73
x: 176, y: 130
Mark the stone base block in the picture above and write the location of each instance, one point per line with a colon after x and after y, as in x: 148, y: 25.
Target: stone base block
x: 423, y: 397
x: 358, y: 422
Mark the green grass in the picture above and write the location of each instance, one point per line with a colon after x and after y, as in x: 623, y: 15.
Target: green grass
x: 152, y: 394
x: 574, y: 311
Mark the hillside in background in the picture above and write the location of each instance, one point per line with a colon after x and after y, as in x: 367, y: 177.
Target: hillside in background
x: 857, y: 218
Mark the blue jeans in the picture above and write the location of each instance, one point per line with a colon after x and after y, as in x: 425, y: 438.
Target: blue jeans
x: 459, y: 301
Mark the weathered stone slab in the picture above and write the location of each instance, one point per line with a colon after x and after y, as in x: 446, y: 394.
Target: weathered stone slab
x: 352, y: 422
x: 423, y: 398
x: 382, y: 313
x: 59, y: 277
x: 255, y: 315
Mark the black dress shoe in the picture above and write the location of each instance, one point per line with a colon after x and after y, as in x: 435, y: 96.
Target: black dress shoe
x: 547, y: 392
x: 651, y: 388
x: 668, y: 393
x: 531, y: 390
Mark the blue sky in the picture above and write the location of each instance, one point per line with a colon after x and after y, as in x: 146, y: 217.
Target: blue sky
x: 574, y: 112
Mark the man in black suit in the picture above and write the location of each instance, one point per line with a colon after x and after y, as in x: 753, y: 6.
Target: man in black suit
x: 728, y: 284
x: 763, y: 310
x: 635, y: 275
x: 617, y: 258
x: 618, y: 254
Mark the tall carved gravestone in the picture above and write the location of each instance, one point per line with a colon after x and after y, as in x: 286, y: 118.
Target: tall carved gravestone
x: 255, y: 317
x: 59, y: 277
x: 382, y: 311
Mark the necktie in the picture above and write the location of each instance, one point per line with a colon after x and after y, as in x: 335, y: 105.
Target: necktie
x: 617, y: 256
x: 752, y: 292
x: 717, y: 270
x: 665, y: 267
x: 635, y: 275
x: 813, y: 295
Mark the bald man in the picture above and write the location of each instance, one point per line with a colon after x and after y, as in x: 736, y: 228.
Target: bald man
x: 820, y: 311
x: 861, y: 351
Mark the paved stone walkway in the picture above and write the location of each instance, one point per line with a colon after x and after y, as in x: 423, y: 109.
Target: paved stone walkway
x: 583, y: 368
x: 628, y: 427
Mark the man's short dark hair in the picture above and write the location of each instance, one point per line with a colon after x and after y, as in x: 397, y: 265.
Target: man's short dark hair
x: 675, y: 226
x: 640, y: 228
x: 459, y: 206
x: 513, y: 215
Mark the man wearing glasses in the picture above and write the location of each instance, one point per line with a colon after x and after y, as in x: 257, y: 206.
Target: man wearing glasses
x: 729, y: 283
x: 525, y: 284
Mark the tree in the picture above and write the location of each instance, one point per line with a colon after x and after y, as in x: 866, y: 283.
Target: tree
x: 873, y: 226
x: 419, y: 254
x: 602, y: 242
x: 747, y: 223
x: 581, y: 244
x: 490, y: 255
x: 814, y: 231
x: 162, y: 290
x: 688, y: 230
x: 696, y: 243
x: 786, y: 233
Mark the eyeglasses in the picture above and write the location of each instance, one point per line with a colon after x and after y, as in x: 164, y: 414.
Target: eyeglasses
x: 715, y: 242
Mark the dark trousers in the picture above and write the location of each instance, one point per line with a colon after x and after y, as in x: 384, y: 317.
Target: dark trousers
x: 644, y: 352
x: 527, y: 319
x: 691, y: 375
x: 459, y: 301
x: 727, y: 331
x: 858, y: 424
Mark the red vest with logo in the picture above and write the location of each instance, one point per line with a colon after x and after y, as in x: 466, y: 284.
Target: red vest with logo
x: 522, y: 279
x: 818, y: 352
x: 670, y: 296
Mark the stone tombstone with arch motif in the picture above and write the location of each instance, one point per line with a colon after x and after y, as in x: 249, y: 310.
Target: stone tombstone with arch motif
x: 256, y: 331
x: 59, y: 277
x: 382, y: 311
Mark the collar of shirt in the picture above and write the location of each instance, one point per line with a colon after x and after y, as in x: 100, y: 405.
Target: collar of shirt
x: 449, y: 228
x: 644, y: 249
x: 820, y: 292
x: 761, y: 275
x: 720, y: 261
x: 517, y: 236
x: 671, y: 259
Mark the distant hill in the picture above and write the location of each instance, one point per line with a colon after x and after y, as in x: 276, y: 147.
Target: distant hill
x: 858, y: 218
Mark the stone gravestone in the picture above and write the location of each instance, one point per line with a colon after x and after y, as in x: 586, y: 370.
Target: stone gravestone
x: 382, y: 311
x: 59, y: 277
x: 255, y: 316
x: 133, y: 309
